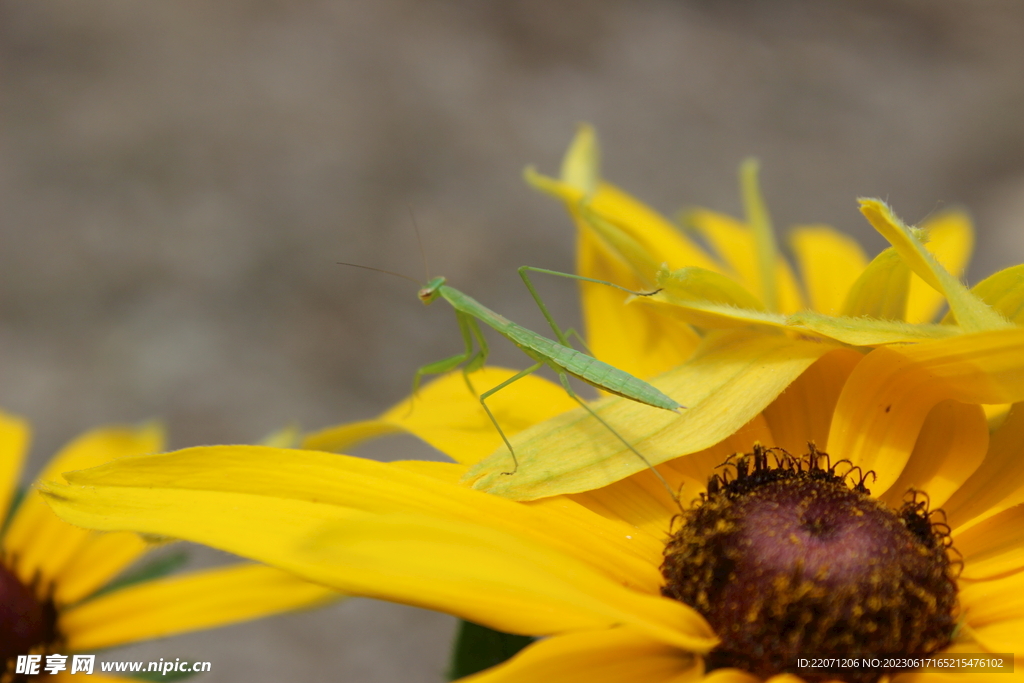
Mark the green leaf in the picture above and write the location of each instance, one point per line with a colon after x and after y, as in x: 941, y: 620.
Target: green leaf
x: 478, y: 648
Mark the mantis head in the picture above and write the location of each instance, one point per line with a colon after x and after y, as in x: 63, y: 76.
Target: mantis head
x: 431, y: 290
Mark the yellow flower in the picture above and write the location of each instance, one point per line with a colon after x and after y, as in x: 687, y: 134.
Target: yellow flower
x: 51, y: 574
x: 579, y: 545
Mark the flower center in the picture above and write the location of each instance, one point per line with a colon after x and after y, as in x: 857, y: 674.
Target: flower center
x: 27, y: 624
x: 789, y: 560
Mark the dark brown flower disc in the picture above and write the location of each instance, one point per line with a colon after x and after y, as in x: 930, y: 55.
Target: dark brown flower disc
x: 27, y: 623
x: 787, y: 559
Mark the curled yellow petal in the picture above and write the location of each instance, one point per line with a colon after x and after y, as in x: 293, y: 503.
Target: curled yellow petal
x: 723, y: 387
x: 971, y: 313
x: 999, y: 482
x: 951, y: 446
x: 312, y: 484
x: 889, y: 395
x: 951, y: 240
x: 881, y: 290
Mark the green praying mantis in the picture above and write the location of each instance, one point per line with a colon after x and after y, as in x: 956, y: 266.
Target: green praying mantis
x: 557, y: 355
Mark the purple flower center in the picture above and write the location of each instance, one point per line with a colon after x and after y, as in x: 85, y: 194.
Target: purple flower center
x: 787, y: 560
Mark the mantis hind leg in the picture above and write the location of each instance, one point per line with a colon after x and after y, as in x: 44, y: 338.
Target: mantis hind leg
x: 564, y: 378
x: 483, y: 401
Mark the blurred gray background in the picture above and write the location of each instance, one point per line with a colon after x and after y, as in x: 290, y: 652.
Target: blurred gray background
x: 178, y: 179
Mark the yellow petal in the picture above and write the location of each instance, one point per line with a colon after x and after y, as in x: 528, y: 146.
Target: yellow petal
x: 445, y: 471
x: 697, y: 284
x: 527, y: 583
x: 735, y: 245
x: 710, y: 315
x: 830, y: 262
x: 473, y: 570
x: 43, y: 543
x: 881, y: 290
x: 971, y: 313
x: 999, y: 482
x: 803, y: 412
x: 724, y: 386
x: 697, y: 468
x: 887, y: 398
x: 447, y: 415
x: 732, y: 241
x: 765, y: 249
x: 867, y: 331
x: 581, y: 165
x: 935, y: 677
x: 1004, y: 636
x: 641, y: 500
x: 352, y: 485
x: 950, y: 447
x: 98, y: 560
x: 187, y: 602
x: 14, y: 436
x: 986, y: 367
x: 846, y: 330
x: 630, y: 338
x: 615, y: 655
x: 994, y: 547
x: 951, y: 241
x: 987, y: 602
x: 658, y: 240
x: 730, y: 676
x: 1004, y: 292
x: 638, y: 500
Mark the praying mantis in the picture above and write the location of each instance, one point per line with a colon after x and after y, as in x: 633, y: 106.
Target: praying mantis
x: 557, y: 355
